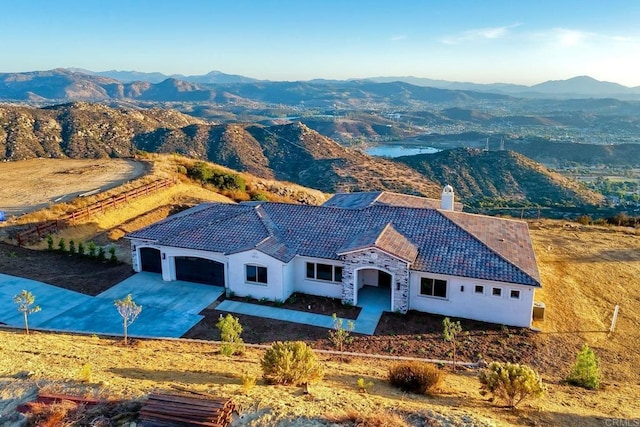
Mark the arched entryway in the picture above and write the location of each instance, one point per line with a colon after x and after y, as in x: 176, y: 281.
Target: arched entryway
x: 374, y: 288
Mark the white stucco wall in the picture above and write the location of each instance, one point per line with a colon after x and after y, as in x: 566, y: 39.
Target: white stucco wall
x: 273, y: 290
x: 469, y: 305
x: 311, y: 286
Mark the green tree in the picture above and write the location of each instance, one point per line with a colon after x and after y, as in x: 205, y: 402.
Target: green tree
x: 129, y: 311
x: 450, y: 332
x: 62, y: 245
x: 112, y: 255
x: 586, y: 371
x: 91, y: 246
x: 341, y: 334
x: 25, y: 301
x: 81, y: 249
x: 101, y: 254
x: 50, y: 242
x: 72, y: 246
x: 230, y: 331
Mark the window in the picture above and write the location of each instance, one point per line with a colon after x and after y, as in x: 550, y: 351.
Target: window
x: 496, y: 292
x: 327, y: 272
x: 256, y: 274
x: 479, y: 289
x: 433, y: 287
x: 515, y: 294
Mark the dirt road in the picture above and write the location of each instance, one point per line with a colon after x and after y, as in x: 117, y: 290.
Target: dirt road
x: 30, y: 185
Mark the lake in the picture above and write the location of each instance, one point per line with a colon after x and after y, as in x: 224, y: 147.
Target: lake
x: 398, y: 150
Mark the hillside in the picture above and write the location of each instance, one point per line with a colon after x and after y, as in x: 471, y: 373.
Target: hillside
x: 291, y: 152
x: 505, y: 175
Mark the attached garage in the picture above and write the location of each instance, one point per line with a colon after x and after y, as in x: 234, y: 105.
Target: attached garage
x: 150, y: 260
x: 199, y: 270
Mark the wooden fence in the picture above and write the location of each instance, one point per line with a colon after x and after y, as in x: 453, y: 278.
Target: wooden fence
x: 49, y: 227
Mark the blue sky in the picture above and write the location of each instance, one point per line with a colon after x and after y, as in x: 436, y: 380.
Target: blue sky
x: 482, y: 41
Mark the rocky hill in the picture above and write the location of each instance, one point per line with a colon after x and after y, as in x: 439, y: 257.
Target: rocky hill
x: 291, y: 152
x: 504, y: 176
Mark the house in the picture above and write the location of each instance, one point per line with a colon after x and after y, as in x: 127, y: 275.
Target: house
x: 427, y: 254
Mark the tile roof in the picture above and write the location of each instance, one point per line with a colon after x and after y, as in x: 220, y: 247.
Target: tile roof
x: 443, y: 242
x: 383, y: 198
x: 388, y: 239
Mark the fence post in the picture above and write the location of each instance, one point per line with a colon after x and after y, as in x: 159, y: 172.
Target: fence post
x: 614, y: 319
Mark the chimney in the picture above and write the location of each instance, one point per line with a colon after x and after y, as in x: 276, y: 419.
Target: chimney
x: 446, y: 202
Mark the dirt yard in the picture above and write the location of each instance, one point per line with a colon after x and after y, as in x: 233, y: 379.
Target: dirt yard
x: 37, y: 183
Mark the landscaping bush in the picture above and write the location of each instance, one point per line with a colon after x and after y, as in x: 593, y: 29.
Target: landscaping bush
x: 112, y: 255
x: 586, y: 371
x: 72, y: 246
x: 416, y: 377
x: 81, y: 249
x: 92, y: 248
x: 62, y: 245
x: 50, y: 242
x: 216, y: 177
x: 511, y: 382
x: 291, y: 363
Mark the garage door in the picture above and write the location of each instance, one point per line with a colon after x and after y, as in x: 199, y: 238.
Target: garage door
x: 200, y: 270
x: 150, y: 260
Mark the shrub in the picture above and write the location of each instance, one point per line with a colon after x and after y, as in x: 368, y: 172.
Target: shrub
x: 72, y: 246
x: 416, y: 377
x: 584, y: 219
x: 101, y: 255
x: 291, y: 363
x: 81, y: 249
x: 112, y: 255
x: 378, y: 418
x: 511, y: 382
x: 50, y: 242
x: 259, y: 197
x: 586, y: 370
x: 248, y: 382
x: 230, y: 330
x: 84, y: 375
x: 363, y: 385
x: 62, y: 245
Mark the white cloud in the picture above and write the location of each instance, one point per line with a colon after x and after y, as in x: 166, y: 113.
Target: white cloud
x: 477, y: 34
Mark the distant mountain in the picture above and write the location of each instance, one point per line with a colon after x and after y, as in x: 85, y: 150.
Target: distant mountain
x: 137, y: 76
x: 500, y: 175
x: 576, y: 87
x: 65, y: 85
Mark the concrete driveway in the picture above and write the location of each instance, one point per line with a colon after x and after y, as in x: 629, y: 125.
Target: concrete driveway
x: 169, y: 309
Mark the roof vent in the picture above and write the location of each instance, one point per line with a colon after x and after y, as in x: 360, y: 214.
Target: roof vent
x: 446, y: 202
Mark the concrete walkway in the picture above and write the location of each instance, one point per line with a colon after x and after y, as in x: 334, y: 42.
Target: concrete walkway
x: 372, y: 300
x: 169, y: 309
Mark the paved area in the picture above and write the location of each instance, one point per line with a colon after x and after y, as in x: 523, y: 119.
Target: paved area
x: 169, y: 309
x: 372, y: 300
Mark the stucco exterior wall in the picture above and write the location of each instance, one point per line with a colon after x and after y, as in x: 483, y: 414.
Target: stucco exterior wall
x: 462, y: 301
x: 321, y: 288
x: 273, y: 290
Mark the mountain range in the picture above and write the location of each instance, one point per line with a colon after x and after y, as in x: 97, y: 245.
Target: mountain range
x: 64, y: 85
x: 289, y: 152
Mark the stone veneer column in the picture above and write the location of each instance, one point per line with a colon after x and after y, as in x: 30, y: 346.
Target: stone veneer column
x: 376, y: 259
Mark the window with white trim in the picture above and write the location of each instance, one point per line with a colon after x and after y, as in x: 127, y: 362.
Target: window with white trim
x: 256, y: 274
x: 433, y: 287
x: 514, y: 294
x: 479, y: 289
x: 496, y: 292
x: 327, y: 272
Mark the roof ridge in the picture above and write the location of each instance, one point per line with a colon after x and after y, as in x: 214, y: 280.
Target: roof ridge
x: 487, y: 246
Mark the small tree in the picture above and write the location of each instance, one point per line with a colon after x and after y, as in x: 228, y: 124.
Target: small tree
x: 62, y: 245
x: 25, y: 301
x: 81, y: 249
x: 72, y: 246
x: 50, y: 242
x: 341, y: 335
x: 129, y: 311
x: 230, y: 330
x: 511, y: 382
x: 92, y: 248
x: 586, y: 370
x: 451, y: 330
x: 101, y: 254
x: 112, y: 255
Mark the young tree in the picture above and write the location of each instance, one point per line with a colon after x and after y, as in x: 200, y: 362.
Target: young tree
x: 341, y: 335
x: 451, y: 330
x: 230, y: 330
x: 586, y: 370
x: 25, y: 301
x: 129, y: 310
